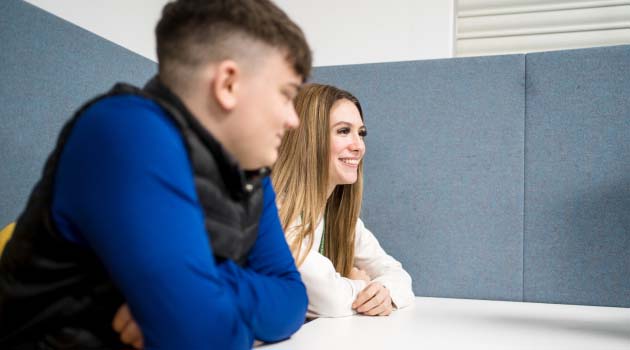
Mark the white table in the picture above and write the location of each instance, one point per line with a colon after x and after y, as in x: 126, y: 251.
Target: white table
x: 436, y: 323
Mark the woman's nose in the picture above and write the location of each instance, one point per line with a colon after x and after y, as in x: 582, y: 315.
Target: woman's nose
x: 357, y: 143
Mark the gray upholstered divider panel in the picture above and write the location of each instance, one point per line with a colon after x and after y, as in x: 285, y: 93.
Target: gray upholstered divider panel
x: 577, y: 179
x: 444, y: 169
x: 48, y: 68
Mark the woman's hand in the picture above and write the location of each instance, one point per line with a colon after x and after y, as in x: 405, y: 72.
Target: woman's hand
x: 357, y: 274
x: 127, y: 327
x: 374, y: 300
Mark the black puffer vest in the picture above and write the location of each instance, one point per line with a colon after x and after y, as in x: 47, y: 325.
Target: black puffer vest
x: 57, y: 295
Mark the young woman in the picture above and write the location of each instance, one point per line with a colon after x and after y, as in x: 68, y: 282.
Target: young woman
x: 318, y: 181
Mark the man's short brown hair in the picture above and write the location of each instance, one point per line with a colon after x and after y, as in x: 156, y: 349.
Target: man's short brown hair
x: 192, y: 32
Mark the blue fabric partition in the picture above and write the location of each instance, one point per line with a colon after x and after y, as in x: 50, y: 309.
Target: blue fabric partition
x: 577, y: 177
x: 48, y: 68
x: 444, y: 169
x: 503, y: 177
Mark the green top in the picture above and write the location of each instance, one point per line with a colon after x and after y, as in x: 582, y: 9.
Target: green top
x: 321, y: 243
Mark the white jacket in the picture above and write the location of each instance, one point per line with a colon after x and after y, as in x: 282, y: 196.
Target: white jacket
x: 331, y: 295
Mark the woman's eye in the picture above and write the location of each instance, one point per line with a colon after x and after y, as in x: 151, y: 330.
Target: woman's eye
x: 343, y: 131
x: 363, y: 132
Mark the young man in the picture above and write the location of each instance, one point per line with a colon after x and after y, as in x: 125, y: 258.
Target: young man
x: 159, y: 197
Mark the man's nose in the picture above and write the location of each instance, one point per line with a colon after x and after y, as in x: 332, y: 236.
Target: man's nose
x: 293, y: 121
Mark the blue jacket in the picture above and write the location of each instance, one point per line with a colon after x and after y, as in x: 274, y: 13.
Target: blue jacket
x: 124, y: 188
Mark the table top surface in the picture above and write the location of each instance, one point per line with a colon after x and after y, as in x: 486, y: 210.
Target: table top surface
x: 438, y: 323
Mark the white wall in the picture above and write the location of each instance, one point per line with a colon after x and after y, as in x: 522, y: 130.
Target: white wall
x: 339, y: 31
x: 362, y: 31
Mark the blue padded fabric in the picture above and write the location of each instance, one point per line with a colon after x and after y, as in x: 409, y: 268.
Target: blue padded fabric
x: 444, y: 169
x: 49, y: 68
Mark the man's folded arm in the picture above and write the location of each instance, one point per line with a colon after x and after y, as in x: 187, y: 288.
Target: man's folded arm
x: 124, y: 188
x: 269, y: 288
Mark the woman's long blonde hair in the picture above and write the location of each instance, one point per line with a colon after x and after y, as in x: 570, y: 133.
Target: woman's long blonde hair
x: 300, y: 178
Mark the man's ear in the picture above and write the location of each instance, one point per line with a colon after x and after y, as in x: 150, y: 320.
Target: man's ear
x: 226, y: 83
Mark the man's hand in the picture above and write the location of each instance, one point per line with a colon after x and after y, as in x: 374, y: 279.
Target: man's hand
x: 374, y: 300
x: 127, y: 327
x: 357, y: 274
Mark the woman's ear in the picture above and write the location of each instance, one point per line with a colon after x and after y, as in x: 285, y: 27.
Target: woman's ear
x: 225, y: 84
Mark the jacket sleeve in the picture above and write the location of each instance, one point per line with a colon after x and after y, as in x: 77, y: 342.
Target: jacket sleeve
x: 329, y: 294
x: 269, y: 289
x: 370, y: 257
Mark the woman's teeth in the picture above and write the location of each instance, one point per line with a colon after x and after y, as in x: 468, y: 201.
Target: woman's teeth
x: 350, y: 161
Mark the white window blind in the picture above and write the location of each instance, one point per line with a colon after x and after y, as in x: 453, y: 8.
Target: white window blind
x: 492, y: 27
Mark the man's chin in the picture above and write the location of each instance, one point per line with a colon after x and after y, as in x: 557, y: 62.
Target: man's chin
x: 270, y: 163
x: 261, y: 162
